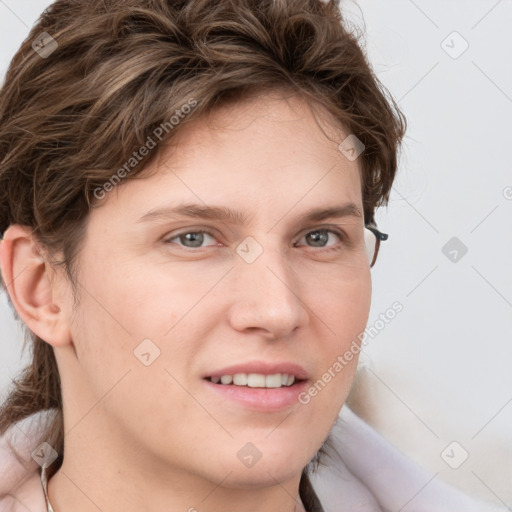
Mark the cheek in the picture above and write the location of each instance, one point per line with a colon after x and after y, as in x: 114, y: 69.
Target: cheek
x: 343, y: 308
x: 117, y: 316
x: 156, y: 298
x: 130, y: 316
x: 110, y: 321
x: 342, y: 302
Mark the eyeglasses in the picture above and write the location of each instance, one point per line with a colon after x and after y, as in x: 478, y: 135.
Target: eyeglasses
x: 372, y: 238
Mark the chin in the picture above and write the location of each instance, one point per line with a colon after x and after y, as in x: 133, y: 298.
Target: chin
x: 261, y: 478
x: 277, y: 464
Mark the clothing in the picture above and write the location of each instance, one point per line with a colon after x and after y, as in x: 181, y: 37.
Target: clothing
x: 367, y: 474
x: 44, y: 483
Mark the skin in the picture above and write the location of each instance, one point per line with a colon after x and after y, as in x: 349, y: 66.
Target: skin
x: 155, y: 437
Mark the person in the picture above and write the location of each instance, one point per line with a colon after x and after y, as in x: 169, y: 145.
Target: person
x: 187, y: 207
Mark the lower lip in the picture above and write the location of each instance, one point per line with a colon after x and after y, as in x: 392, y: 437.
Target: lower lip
x: 260, y: 399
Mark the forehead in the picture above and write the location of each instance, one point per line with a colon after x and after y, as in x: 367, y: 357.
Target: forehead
x: 266, y: 155
x: 271, y: 118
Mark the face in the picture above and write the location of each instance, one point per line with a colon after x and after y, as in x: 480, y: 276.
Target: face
x: 223, y: 263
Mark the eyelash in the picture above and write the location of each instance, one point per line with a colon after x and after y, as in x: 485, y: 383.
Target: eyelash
x: 329, y: 229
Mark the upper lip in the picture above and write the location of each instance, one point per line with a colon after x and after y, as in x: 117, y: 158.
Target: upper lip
x: 263, y: 368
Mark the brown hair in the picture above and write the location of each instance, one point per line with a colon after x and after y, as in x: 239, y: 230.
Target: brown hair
x: 71, y: 117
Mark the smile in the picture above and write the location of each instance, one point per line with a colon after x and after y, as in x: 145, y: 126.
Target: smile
x: 255, y: 380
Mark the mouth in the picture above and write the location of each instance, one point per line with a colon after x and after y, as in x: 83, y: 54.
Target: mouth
x: 258, y: 386
x: 256, y: 380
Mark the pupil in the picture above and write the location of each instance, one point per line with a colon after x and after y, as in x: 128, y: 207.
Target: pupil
x: 318, y: 238
x: 196, y: 239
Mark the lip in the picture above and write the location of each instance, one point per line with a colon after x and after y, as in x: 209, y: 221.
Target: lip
x: 260, y: 399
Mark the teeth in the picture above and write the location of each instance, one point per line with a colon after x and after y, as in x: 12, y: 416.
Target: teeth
x: 256, y: 380
x: 273, y: 381
x: 240, y: 379
x: 226, y: 379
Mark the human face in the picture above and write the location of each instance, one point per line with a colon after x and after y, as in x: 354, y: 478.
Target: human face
x: 213, y: 305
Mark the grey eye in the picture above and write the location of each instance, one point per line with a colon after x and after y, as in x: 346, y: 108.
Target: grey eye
x: 192, y: 239
x: 318, y: 238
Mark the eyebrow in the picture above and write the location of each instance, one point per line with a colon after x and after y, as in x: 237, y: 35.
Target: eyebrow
x: 223, y: 214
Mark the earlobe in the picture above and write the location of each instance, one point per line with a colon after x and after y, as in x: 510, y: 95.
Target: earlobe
x: 29, y: 280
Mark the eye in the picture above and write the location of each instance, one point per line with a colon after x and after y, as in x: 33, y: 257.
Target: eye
x: 191, y: 239
x: 321, y: 238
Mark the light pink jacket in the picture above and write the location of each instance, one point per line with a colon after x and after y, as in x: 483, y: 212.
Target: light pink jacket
x: 370, y: 475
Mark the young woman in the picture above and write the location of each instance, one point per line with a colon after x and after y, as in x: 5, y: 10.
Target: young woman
x: 187, y: 198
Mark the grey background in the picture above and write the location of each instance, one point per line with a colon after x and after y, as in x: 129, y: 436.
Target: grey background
x: 440, y: 371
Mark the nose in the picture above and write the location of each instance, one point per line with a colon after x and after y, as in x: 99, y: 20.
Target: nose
x: 267, y: 297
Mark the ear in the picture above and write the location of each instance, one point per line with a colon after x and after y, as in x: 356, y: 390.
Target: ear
x: 30, y: 280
